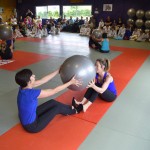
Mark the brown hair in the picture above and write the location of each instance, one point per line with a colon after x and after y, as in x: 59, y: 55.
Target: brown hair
x: 105, y: 62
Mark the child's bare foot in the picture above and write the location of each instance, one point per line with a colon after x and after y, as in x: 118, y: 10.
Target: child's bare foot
x: 84, y: 108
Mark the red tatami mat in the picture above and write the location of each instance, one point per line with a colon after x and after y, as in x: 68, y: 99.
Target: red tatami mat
x: 93, y: 114
x: 123, y: 68
x: 68, y: 132
x: 23, y: 59
x: 30, y: 39
x: 63, y: 133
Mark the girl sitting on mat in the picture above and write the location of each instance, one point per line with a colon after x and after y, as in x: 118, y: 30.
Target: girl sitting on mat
x: 6, y: 52
x: 35, y: 118
x: 103, y: 85
x: 94, y: 42
x: 105, y: 44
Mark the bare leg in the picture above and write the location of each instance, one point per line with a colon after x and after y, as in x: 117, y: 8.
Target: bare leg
x: 86, y: 106
x: 84, y: 100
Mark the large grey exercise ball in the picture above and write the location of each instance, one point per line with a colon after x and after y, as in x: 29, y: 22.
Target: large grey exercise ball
x: 130, y: 21
x: 131, y: 12
x: 97, y: 33
x: 5, y: 32
x: 139, y: 22
x: 147, y: 14
x: 140, y: 14
x: 147, y: 24
x: 79, y: 66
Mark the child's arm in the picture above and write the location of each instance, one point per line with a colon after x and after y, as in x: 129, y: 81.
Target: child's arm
x: 104, y: 86
x: 46, y: 78
x: 50, y: 92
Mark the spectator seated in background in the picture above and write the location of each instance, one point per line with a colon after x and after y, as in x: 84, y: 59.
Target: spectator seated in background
x: 148, y: 36
x: 94, y: 42
x: 85, y: 30
x: 63, y: 23
x: 106, y: 28
x: 108, y: 21
x: 119, y: 22
x: 75, y: 27
x: 58, y: 28
x: 1, y: 21
x: 23, y: 29
x: 92, y: 22
x: 6, y: 52
x: 17, y: 31
x: 48, y: 26
x: 121, y: 33
x: 112, y: 32
x: 86, y: 22
x: 142, y: 37
x: 44, y: 31
x: 69, y: 25
x: 1, y: 16
x: 135, y: 34
x: 39, y: 22
x: 104, y: 44
x: 101, y: 24
x: 53, y: 29
x: 36, y: 31
x: 127, y: 33
x: 81, y: 22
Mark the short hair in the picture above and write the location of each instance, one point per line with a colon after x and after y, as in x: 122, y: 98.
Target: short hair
x: 23, y: 77
x: 104, y: 35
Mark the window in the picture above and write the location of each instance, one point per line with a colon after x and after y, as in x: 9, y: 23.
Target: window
x: 41, y: 11
x: 77, y: 11
x: 48, y: 11
x: 53, y: 11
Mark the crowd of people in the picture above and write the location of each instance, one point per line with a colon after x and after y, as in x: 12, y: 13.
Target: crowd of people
x: 116, y: 30
x: 31, y: 26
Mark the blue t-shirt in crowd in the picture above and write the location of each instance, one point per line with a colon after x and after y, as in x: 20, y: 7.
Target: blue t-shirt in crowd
x: 27, y: 103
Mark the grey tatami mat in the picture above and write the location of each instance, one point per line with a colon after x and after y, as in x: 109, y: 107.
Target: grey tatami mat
x: 126, y: 125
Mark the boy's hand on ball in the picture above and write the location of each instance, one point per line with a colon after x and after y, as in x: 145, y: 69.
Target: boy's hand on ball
x: 76, y: 82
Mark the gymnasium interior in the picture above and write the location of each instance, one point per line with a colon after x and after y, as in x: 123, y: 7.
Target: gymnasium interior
x: 123, y: 124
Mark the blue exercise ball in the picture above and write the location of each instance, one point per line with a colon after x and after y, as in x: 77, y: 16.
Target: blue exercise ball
x: 79, y: 66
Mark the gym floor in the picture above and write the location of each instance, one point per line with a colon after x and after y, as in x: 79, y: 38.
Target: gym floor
x: 124, y: 124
